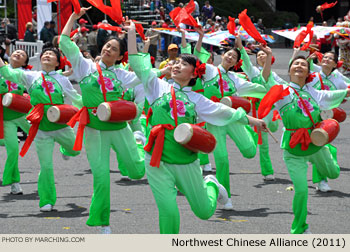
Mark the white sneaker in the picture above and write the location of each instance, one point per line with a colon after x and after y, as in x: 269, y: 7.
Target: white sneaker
x: 106, y: 230
x: 46, y: 208
x: 269, y: 177
x: 140, y: 137
x: 323, y: 186
x: 307, y: 231
x: 65, y: 157
x: 228, y: 205
x: 125, y: 178
x: 16, y: 188
x: 206, y: 167
x: 222, y: 198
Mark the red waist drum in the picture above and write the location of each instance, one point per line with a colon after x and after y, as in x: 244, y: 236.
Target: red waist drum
x: 61, y: 113
x: 117, y: 111
x: 325, y: 132
x: 16, y: 102
x: 236, y: 102
x: 336, y: 113
x: 195, y: 138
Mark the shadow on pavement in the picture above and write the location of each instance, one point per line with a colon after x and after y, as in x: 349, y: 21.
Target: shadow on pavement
x: 276, y: 181
x: 260, y: 212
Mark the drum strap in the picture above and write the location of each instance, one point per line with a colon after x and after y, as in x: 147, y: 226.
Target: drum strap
x: 173, y: 99
x: 46, y: 87
x: 221, y: 83
x: 1, y: 118
x: 322, y: 85
x: 82, y: 116
x: 103, y: 84
x: 304, y: 105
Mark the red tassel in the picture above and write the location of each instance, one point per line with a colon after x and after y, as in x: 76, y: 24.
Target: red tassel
x: 83, y: 118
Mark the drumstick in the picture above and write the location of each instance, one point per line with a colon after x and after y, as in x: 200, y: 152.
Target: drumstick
x: 153, y: 36
x: 197, y: 20
x: 274, y: 138
x: 138, y: 22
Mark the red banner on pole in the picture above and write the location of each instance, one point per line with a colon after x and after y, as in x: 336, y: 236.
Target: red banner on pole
x: 65, y: 10
x: 25, y: 16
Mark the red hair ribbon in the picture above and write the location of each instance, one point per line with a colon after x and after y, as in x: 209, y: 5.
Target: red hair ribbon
x: 125, y: 57
x: 238, y: 65
x: 109, y: 27
x: 319, y: 56
x: 76, y: 6
x: 28, y: 67
x: 249, y: 27
x: 64, y: 62
x: 183, y: 15
x: 310, y: 77
x: 231, y: 26
x: 339, y: 63
x: 200, y: 69
x: 272, y: 60
x: 114, y: 11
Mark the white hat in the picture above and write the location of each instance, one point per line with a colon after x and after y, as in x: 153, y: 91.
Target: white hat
x: 218, y: 18
x: 104, y: 21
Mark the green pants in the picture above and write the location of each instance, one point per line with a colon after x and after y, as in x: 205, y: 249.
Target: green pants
x: 203, y: 158
x: 297, y: 168
x: 265, y: 160
x: 11, y: 171
x: 188, y: 179
x: 98, y: 145
x: 245, y: 139
x: 316, y: 175
x: 45, y: 143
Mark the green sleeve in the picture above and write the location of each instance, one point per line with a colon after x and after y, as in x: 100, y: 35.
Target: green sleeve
x: 70, y: 50
x: 198, y: 87
x: 14, y: 75
x: 186, y: 49
x: 270, y: 82
x: 203, y: 55
x: 141, y: 64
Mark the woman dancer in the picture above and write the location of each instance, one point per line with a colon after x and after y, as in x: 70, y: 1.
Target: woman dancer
x: 300, y: 111
x: 101, y: 136
x: 46, y: 88
x: 169, y: 164
x: 217, y: 83
x: 12, y: 120
x: 254, y: 74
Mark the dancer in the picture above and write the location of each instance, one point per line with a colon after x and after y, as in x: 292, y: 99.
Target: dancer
x: 101, y: 136
x: 300, y: 111
x: 12, y: 120
x: 217, y: 83
x: 46, y: 88
x: 254, y: 74
x: 168, y: 163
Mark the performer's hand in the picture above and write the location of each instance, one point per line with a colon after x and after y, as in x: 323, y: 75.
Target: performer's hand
x: 238, y: 41
x: 180, y: 30
x: 129, y: 25
x: 81, y: 13
x: 199, y: 30
x: 265, y: 49
x: 260, y: 124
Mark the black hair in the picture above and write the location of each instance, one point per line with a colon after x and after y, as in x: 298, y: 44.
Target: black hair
x: 299, y: 57
x: 55, y: 50
x: 227, y: 49
x: 192, y: 60
x: 122, y: 46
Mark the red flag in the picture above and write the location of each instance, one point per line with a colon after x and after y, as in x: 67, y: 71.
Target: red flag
x: 302, y: 35
x: 183, y: 15
x: 328, y: 5
x: 231, y: 26
x: 139, y: 30
x: 275, y: 94
x: 249, y: 27
x: 76, y: 6
x: 109, y: 27
x: 114, y: 12
x: 64, y: 12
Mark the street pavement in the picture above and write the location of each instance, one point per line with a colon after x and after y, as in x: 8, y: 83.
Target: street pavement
x: 259, y: 207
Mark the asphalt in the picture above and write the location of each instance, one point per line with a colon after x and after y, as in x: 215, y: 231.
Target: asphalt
x: 259, y: 207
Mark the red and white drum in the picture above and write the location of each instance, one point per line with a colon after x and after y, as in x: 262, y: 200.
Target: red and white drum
x: 117, y: 111
x: 325, y: 132
x: 16, y: 102
x: 336, y: 113
x: 195, y: 138
x: 61, y: 113
x: 236, y: 102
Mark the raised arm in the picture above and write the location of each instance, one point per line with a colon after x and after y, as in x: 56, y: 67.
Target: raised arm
x: 251, y: 71
x: 69, y: 25
x: 200, y: 39
x: 267, y: 66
